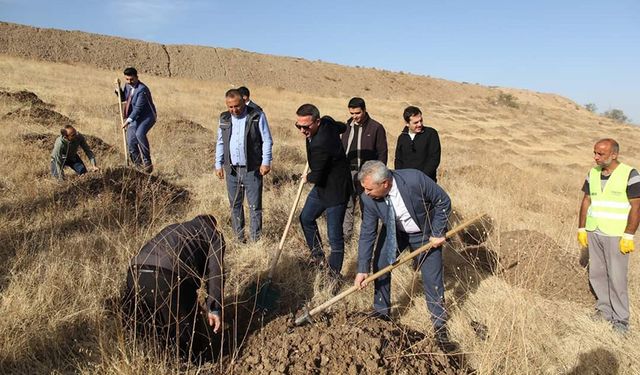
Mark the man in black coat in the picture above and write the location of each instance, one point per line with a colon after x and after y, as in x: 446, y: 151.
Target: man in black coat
x: 418, y: 146
x: 161, y: 298
x: 329, y: 172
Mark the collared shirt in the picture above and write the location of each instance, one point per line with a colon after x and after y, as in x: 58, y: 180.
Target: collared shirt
x: 404, y: 221
x: 236, y: 143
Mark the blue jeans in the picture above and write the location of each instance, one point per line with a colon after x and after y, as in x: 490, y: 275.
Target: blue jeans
x: 239, y: 181
x: 432, y: 276
x: 313, y: 208
x: 74, y: 162
x: 137, y: 141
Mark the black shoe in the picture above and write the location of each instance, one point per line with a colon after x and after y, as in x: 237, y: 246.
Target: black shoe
x: 443, y: 341
x: 148, y: 168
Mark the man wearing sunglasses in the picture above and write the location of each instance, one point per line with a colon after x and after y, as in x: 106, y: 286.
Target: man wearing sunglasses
x: 329, y: 172
x: 418, y: 146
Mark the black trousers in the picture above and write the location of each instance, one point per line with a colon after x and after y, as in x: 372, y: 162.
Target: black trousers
x: 162, y: 307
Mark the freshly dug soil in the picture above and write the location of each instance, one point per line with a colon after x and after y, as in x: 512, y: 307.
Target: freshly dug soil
x: 40, y: 115
x: 344, y: 344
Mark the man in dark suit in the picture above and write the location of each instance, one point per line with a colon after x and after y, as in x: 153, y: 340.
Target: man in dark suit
x: 365, y: 139
x: 161, y: 297
x: 246, y: 96
x: 329, y: 172
x: 415, y: 211
x: 418, y: 145
x: 139, y: 117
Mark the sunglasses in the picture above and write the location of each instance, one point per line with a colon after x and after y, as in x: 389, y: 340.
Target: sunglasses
x: 305, y: 127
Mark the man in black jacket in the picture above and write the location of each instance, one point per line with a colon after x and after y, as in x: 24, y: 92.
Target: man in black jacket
x: 418, y: 146
x: 161, y: 298
x: 365, y: 139
x: 329, y: 172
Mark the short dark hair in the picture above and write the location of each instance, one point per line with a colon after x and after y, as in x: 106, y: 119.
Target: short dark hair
x: 65, y: 131
x: 309, y: 110
x: 233, y: 93
x: 409, y: 112
x: 244, y: 91
x: 357, y: 103
x: 131, y: 72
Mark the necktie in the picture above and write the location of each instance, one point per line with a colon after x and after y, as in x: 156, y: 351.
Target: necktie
x: 391, y: 243
x: 128, y: 103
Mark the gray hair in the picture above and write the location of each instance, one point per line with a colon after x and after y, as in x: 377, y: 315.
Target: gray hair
x: 376, y: 169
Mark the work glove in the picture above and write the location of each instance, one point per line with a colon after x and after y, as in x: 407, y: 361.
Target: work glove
x: 626, y: 243
x: 582, y: 237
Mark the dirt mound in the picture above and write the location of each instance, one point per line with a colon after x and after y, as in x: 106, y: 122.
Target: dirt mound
x: 124, y: 196
x: 45, y: 141
x: 40, y: 115
x: 185, y: 125
x: 533, y: 261
x: 344, y: 344
x: 23, y: 97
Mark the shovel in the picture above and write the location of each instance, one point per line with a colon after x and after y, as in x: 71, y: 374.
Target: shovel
x: 124, y: 130
x: 267, y: 296
x: 307, y: 316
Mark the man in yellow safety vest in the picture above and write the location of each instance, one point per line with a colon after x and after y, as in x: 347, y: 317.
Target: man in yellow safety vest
x: 609, y: 217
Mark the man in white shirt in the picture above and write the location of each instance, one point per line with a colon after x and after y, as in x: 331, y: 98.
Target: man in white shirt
x: 415, y: 211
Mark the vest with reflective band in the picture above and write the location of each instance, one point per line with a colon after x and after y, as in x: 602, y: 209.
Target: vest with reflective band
x: 609, y: 209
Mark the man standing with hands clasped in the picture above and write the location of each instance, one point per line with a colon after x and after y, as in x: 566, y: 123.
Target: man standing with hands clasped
x: 243, y: 154
x: 609, y: 217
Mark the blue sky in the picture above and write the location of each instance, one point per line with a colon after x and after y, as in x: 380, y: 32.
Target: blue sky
x: 586, y: 50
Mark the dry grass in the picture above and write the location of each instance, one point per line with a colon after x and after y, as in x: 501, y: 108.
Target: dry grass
x: 63, y: 261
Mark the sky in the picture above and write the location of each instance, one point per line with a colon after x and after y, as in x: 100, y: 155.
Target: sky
x: 588, y: 51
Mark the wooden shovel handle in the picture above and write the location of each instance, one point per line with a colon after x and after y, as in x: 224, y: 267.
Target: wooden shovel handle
x: 274, y: 261
x: 307, y: 317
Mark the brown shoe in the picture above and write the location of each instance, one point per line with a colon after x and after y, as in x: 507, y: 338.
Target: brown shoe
x: 148, y: 168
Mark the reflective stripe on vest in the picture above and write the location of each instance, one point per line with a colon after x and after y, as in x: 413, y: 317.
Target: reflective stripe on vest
x: 609, y: 209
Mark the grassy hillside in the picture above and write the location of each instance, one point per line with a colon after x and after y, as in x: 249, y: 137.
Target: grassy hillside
x: 64, y: 248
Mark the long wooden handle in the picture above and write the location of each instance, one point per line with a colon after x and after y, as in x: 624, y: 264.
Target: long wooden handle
x: 274, y: 261
x: 307, y: 316
x: 124, y: 131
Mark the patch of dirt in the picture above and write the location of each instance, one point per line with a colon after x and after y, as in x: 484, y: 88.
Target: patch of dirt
x: 533, y: 261
x: 127, y: 196
x: 343, y: 344
x: 45, y: 141
x: 23, y: 97
x: 40, y: 115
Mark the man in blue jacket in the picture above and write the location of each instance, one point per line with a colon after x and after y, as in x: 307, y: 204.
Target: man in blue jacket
x: 415, y: 211
x: 139, y: 117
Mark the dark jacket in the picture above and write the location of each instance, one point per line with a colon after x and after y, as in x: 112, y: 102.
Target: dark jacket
x: 329, y: 168
x: 252, y: 136
x: 254, y: 105
x: 193, y: 249
x: 421, y: 153
x: 373, y: 144
x: 427, y: 203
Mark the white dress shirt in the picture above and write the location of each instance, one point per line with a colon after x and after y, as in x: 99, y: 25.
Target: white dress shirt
x: 404, y: 221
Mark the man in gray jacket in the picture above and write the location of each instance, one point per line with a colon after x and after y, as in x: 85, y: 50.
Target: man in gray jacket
x: 65, y: 153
